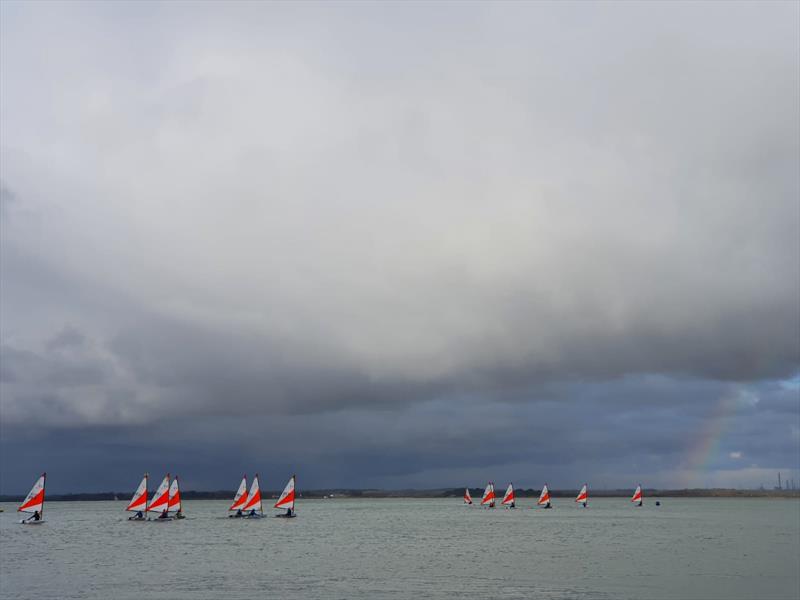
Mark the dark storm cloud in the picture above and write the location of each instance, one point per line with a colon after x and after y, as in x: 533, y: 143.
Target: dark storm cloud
x: 542, y: 239
x: 439, y: 443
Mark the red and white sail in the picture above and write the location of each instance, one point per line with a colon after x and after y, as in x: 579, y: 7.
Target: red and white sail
x: 160, y: 499
x: 583, y: 495
x: 139, y: 500
x: 240, y: 499
x: 286, y: 499
x: 34, y: 501
x: 488, y: 495
x: 544, y: 497
x: 174, y: 502
x: 467, y: 497
x: 254, y: 497
x: 637, y: 495
x: 508, y: 498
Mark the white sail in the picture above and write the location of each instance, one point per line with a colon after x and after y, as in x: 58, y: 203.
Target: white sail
x: 286, y: 499
x: 583, y: 495
x: 160, y: 499
x: 139, y: 500
x: 174, y: 502
x: 34, y: 501
x: 467, y: 496
x: 254, y: 497
x: 637, y: 495
x: 508, y: 499
x: 544, y: 497
x: 241, y: 495
x: 488, y: 495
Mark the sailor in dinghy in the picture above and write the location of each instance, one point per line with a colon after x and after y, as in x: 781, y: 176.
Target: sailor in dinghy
x: 508, y: 499
x: 544, y: 498
x: 637, y: 495
x: 34, y: 503
x: 138, y: 502
x: 488, y: 496
x: 467, y: 496
x: 583, y: 495
x: 286, y: 499
x: 252, y: 509
x: 174, y: 502
x: 160, y: 502
x: 239, y: 500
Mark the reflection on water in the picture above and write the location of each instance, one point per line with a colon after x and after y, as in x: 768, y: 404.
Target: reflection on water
x: 688, y: 548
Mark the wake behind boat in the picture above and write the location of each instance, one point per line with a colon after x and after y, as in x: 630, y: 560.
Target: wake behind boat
x: 286, y: 499
x: 34, y: 503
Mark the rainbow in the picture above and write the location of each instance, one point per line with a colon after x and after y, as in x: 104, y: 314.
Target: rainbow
x: 705, y: 449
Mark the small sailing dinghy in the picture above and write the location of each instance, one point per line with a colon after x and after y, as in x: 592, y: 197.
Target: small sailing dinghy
x: 138, y: 503
x: 286, y: 499
x: 467, y: 497
x: 174, y: 502
x: 583, y: 495
x: 508, y: 499
x: 488, y: 496
x: 160, y: 502
x: 544, y: 498
x: 240, y: 499
x: 252, y: 508
x: 34, y: 503
x: 637, y: 495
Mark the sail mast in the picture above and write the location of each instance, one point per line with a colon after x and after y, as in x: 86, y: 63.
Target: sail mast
x: 583, y: 495
x: 488, y: 496
x: 544, y: 497
x: 34, y: 501
x: 508, y: 497
x: 161, y: 496
x: 287, y: 497
x: 174, y: 501
x: 44, y: 481
x: 241, y: 496
x: 637, y: 495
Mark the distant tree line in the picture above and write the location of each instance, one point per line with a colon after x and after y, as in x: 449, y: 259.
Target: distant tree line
x: 437, y: 493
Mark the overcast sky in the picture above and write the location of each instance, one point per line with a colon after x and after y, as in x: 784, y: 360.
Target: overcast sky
x: 400, y: 245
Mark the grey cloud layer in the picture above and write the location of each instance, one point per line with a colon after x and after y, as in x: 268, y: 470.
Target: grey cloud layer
x: 275, y: 210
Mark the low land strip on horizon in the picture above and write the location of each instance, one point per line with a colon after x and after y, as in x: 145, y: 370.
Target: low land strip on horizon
x: 436, y: 493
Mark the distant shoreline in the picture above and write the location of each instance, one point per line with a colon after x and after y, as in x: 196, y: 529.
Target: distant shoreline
x: 438, y: 493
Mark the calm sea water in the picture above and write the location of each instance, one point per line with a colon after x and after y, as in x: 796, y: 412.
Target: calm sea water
x: 687, y: 548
